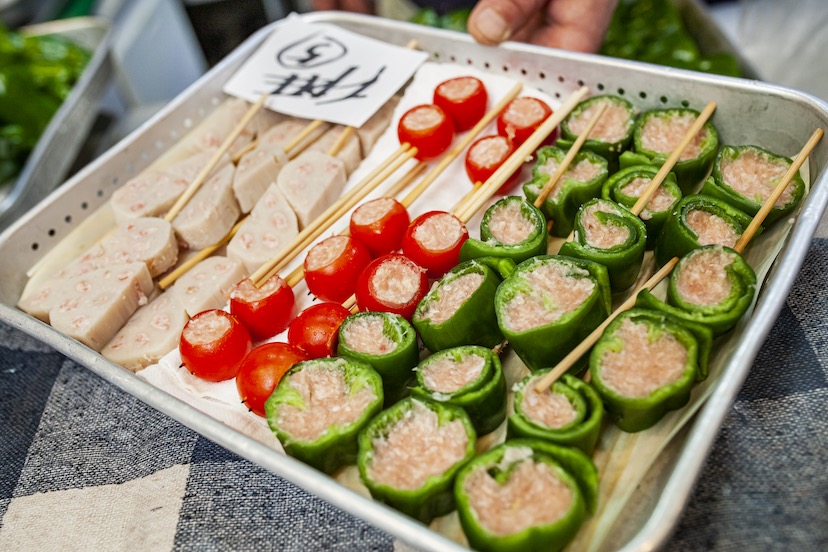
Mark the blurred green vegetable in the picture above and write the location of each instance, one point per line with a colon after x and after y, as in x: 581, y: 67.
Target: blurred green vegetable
x: 36, y: 75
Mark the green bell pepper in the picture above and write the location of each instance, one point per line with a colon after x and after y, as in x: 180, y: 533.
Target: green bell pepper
x: 689, y: 170
x: 535, y: 314
x: 459, y: 308
x: 388, y: 343
x: 494, y: 242
x: 483, y: 397
x: 625, y: 187
x: 719, y: 314
x: 634, y: 408
x: 580, y: 432
x: 728, y: 162
x: 505, y: 518
x: 620, y: 137
x: 678, y: 237
x: 623, y: 260
x: 570, y: 192
x: 433, y: 496
x: 335, y: 445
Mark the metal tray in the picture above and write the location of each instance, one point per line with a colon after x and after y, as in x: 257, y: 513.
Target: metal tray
x: 749, y: 112
x: 50, y: 161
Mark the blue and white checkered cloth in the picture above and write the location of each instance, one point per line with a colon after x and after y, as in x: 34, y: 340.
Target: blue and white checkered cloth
x: 88, y: 467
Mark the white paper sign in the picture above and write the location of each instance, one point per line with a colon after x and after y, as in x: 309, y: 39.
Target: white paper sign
x: 323, y: 72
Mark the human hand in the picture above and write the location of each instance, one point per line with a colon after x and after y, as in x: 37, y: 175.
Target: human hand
x: 569, y: 24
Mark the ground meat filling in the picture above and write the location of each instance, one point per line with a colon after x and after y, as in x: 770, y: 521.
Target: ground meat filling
x: 508, y: 225
x: 325, y: 252
x: 582, y: 171
x: 490, y: 151
x: 663, y: 134
x: 445, y: 374
x: 450, y: 296
x: 372, y: 211
x: 533, y: 495
x: 524, y: 112
x: 603, y: 235
x: 642, y: 366
x: 439, y: 232
x: 702, y: 277
x: 206, y: 328
x: 248, y: 292
x: 423, y: 118
x: 395, y: 282
x: 329, y: 402
x: 661, y: 200
x: 711, y: 229
x: 458, y: 89
x: 611, y: 127
x: 755, y: 176
x: 366, y: 334
x: 416, y: 448
x: 545, y: 408
x: 556, y: 290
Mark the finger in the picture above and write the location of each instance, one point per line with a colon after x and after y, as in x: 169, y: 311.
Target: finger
x: 493, y: 21
x: 324, y: 5
x: 577, y: 25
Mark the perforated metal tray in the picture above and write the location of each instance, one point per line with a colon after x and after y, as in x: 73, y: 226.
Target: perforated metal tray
x: 749, y: 112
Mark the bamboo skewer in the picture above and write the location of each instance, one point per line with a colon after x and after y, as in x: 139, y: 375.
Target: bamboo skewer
x: 566, y: 363
x: 205, y: 171
x: 341, y: 141
x: 518, y: 157
x: 570, y: 155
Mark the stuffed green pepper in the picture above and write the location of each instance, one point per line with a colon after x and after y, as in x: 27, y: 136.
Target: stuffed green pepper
x: 745, y: 177
x: 699, y: 220
x: 525, y: 495
x: 645, y: 364
x: 470, y: 377
x: 610, y: 136
x: 627, y: 185
x: 410, y: 453
x: 712, y: 285
x: 319, y: 408
x: 512, y: 228
x: 581, y: 182
x: 607, y: 233
x: 459, y: 308
x: 549, y: 305
x: 388, y: 343
x: 567, y: 413
x: 658, y: 132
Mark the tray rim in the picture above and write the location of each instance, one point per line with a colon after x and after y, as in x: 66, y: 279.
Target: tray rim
x: 660, y: 524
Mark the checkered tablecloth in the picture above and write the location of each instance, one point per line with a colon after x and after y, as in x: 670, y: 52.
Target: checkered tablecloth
x: 88, y: 467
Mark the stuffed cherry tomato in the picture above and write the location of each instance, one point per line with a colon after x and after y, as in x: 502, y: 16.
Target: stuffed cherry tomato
x: 433, y: 241
x: 393, y: 283
x: 427, y: 128
x: 522, y: 117
x: 314, y: 331
x: 264, y: 311
x: 486, y: 155
x: 463, y: 99
x: 333, y: 266
x: 213, y: 345
x: 262, y: 370
x: 380, y: 225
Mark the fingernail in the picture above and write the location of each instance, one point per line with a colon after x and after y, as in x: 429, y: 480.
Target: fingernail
x: 492, y: 26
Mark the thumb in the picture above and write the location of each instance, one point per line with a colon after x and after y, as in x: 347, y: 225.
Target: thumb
x: 493, y: 21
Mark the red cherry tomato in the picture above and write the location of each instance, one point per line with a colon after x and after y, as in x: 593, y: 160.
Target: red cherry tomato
x: 486, y: 155
x: 427, y: 128
x: 314, y: 331
x: 522, y: 117
x: 262, y: 370
x: 433, y: 241
x: 264, y: 311
x: 213, y: 345
x: 380, y: 225
x: 393, y: 283
x: 464, y: 99
x: 333, y: 266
